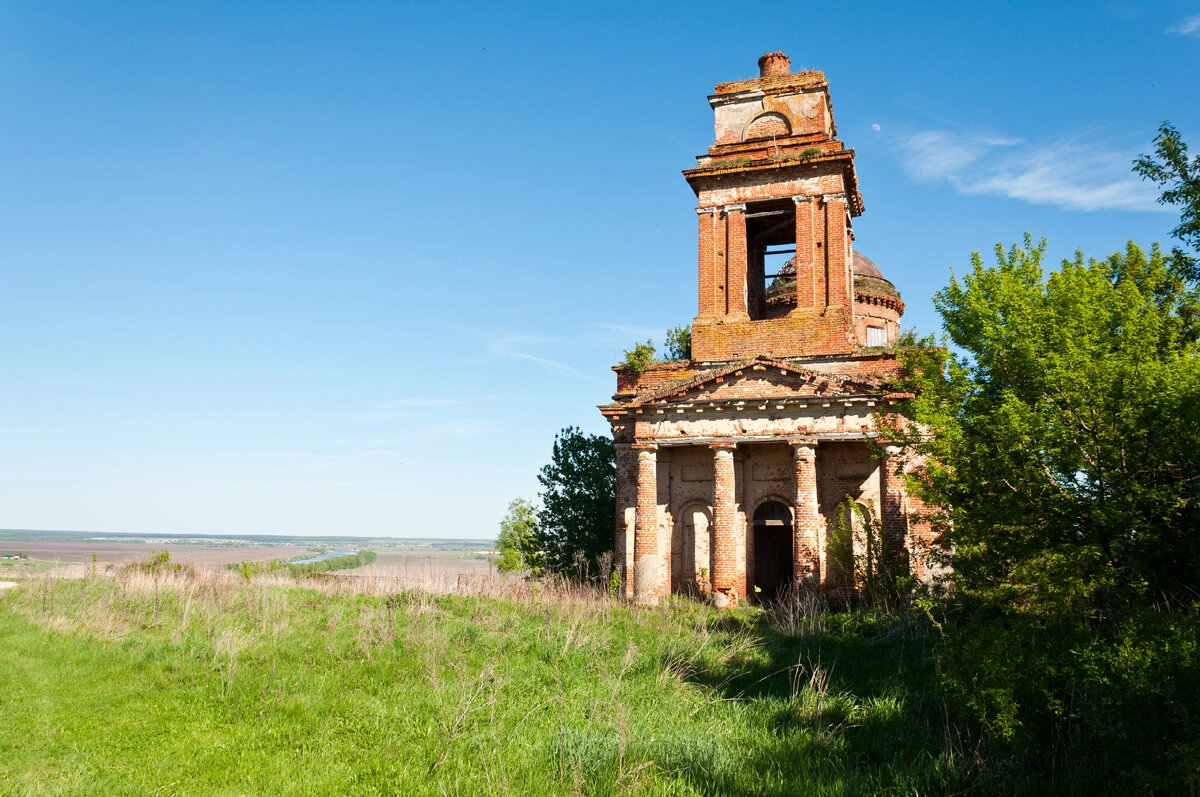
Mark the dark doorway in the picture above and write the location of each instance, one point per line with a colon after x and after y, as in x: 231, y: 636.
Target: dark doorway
x: 772, y: 551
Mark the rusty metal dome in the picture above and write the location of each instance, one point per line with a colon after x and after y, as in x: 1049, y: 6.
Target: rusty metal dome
x: 863, y: 266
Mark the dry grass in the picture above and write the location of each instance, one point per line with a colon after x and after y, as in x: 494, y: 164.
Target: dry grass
x: 122, y: 599
x: 505, y: 686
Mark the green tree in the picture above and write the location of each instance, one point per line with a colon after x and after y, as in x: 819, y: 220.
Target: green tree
x: 639, y: 357
x: 578, y: 500
x: 1180, y: 178
x: 1065, y: 429
x: 1066, y: 466
x: 678, y: 345
x: 519, y: 544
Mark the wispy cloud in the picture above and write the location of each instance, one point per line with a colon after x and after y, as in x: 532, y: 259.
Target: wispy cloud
x: 517, y: 347
x: 622, y: 334
x: 1068, y: 173
x: 628, y: 330
x: 1188, y: 26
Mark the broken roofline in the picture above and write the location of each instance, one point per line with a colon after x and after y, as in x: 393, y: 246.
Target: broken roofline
x: 849, y: 386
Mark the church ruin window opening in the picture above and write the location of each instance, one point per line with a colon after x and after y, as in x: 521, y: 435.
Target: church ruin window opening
x: 876, y: 336
x: 770, y: 253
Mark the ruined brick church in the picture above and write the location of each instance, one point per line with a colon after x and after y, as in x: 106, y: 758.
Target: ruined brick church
x: 735, y: 467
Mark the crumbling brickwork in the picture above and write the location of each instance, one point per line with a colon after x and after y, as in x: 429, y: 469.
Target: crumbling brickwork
x: 733, y: 467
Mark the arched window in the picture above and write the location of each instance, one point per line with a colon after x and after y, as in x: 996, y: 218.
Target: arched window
x: 768, y: 125
x: 690, y: 547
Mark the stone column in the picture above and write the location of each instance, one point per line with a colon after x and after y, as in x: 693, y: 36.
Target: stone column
x: 806, y: 515
x: 724, y: 533
x: 893, y: 510
x: 645, y: 534
x: 735, y: 262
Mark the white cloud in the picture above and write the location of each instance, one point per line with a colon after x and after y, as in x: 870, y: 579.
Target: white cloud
x: 875, y: 127
x: 625, y: 335
x: 1188, y: 26
x: 511, y: 347
x: 1066, y: 173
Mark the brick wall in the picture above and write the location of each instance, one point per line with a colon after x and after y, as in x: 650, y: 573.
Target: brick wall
x: 804, y: 331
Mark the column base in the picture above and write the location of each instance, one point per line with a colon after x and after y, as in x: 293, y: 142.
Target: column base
x: 723, y: 599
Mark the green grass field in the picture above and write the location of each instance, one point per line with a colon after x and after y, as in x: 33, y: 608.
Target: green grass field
x: 25, y: 566
x: 206, y: 683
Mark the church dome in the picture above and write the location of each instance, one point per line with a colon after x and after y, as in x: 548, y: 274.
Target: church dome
x: 864, y: 266
x: 869, y: 284
x: 872, y: 287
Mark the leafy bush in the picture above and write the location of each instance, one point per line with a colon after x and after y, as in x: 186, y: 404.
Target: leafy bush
x: 157, y: 563
x: 639, y: 357
x: 614, y: 584
x: 678, y: 344
x: 1071, y: 497
x: 519, y: 543
x: 248, y: 569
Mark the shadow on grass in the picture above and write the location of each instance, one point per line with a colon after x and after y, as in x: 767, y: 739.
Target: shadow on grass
x: 852, y: 709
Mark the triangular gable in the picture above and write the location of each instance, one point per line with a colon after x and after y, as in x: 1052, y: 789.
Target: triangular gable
x: 761, y: 377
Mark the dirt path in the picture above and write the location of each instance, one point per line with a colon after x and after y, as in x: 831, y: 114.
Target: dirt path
x: 7, y: 584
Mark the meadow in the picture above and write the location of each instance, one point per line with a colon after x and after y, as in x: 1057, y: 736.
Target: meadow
x: 200, y: 681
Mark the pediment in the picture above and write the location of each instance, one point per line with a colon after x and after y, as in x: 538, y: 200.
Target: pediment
x: 758, y: 379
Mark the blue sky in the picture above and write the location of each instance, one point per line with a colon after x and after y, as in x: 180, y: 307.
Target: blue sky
x: 308, y: 268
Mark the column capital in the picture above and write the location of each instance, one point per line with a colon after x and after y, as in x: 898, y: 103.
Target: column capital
x: 802, y: 442
x: 799, y: 199
x: 830, y: 197
x: 723, y: 446
x: 892, y: 450
x: 651, y: 447
x: 738, y: 208
x: 702, y: 211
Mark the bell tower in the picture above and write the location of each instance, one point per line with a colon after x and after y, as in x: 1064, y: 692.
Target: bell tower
x: 734, y: 465
x: 777, y: 192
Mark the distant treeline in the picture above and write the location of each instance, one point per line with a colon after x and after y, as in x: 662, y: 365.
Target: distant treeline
x: 249, y: 569
x: 332, y: 563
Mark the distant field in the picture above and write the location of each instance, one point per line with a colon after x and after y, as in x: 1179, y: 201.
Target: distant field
x: 123, y: 553
x: 435, y: 568
x: 435, y: 564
